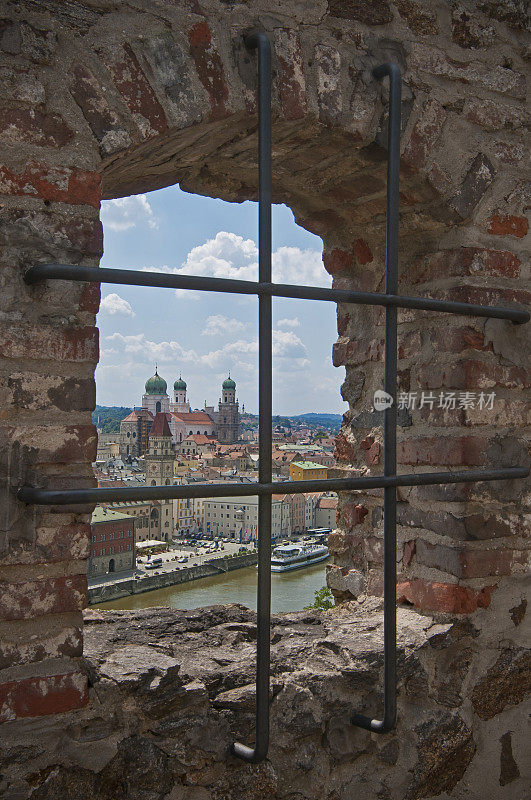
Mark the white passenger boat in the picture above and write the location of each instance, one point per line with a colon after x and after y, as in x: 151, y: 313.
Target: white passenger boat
x: 295, y: 556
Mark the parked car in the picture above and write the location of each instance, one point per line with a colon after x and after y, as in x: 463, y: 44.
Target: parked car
x: 154, y: 563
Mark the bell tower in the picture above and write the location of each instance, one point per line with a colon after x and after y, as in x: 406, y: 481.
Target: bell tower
x: 180, y: 404
x: 228, y: 413
x: 159, y: 468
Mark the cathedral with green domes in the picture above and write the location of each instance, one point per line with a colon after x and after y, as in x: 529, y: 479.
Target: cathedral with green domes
x: 222, y: 423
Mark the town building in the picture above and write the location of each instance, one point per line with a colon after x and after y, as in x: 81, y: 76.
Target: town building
x: 237, y: 517
x: 147, y: 517
x: 325, y: 511
x: 112, y: 545
x: 159, y: 468
x: 310, y: 504
x: 306, y: 471
x: 297, y: 509
x: 134, y: 432
x: 222, y: 424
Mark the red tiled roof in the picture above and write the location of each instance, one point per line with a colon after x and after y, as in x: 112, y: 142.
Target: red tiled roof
x: 328, y: 502
x: 136, y: 414
x: 201, y: 438
x: 194, y: 416
x: 160, y: 426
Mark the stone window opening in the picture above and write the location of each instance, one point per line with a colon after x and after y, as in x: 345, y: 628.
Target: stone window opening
x: 458, y: 222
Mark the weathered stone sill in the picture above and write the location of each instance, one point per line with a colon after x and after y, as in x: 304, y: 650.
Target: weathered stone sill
x: 170, y: 690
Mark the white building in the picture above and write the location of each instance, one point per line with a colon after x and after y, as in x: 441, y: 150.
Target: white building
x: 312, y: 498
x: 237, y: 517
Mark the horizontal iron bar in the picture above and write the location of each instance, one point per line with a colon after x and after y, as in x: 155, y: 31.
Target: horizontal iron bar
x: 28, y: 494
x: 163, y: 280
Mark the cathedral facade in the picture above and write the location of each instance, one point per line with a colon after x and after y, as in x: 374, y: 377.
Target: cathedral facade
x: 222, y: 424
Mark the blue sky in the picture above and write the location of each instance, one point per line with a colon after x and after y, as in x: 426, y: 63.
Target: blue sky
x: 204, y: 335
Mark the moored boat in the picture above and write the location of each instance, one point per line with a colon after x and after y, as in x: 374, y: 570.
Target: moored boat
x: 296, y: 556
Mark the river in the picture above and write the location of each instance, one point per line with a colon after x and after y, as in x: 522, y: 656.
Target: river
x: 290, y: 591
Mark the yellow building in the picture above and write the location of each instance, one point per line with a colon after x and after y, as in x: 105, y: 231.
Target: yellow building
x: 306, y: 471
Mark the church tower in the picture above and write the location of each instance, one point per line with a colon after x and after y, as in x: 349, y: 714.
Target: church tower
x: 180, y: 404
x: 156, y: 397
x: 159, y: 469
x: 228, y: 413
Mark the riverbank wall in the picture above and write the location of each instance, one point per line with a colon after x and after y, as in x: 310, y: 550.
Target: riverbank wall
x: 124, y: 588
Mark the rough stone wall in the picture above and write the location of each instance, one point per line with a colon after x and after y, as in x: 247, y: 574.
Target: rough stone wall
x: 140, y: 95
x: 170, y: 691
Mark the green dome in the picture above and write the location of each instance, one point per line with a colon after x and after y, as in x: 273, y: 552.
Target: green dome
x: 156, y: 385
x: 180, y: 385
x: 229, y: 383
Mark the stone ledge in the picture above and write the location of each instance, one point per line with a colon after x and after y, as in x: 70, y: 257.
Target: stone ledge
x: 170, y: 690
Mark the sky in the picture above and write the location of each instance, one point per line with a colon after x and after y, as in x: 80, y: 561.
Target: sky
x: 204, y: 335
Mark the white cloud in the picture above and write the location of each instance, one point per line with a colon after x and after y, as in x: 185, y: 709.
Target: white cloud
x: 162, y: 352
x: 289, y: 323
x: 293, y: 265
x: 228, y: 255
x: 218, y: 325
x: 127, y: 212
x: 291, y: 353
x: 114, y: 304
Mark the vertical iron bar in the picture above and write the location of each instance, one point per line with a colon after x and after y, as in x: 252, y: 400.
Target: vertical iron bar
x: 265, y: 405
x: 390, y: 383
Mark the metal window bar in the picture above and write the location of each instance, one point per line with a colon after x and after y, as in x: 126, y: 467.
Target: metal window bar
x: 265, y: 290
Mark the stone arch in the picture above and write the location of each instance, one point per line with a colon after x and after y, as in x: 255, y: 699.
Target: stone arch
x: 107, y: 100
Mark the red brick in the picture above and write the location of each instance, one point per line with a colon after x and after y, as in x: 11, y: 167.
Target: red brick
x: 472, y: 375
x: 409, y: 344
x: 342, y: 323
x: 209, y: 67
x: 408, y: 552
x: 50, y: 543
x: 491, y: 296
x: 373, y: 549
x: 58, y: 637
x: 371, y: 450
x: 507, y: 225
x: 290, y: 79
x: 455, y: 340
x: 58, y: 230
x: 87, y: 92
x: 466, y: 563
x: 352, y: 514
x: 344, y: 450
x: 60, y: 184
x: 463, y: 261
x: 425, y: 133
x: 443, y: 597
x: 337, y: 261
x: 357, y: 351
x: 484, y: 563
x: 90, y: 298
x: 443, y: 451
x: 493, y: 116
x: 33, y: 126
x: 35, y: 697
x: 362, y: 251
x: 49, y: 343
x: 47, y: 444
x: 375, y: 583
x: 137, y: 93
x: 37, y: 598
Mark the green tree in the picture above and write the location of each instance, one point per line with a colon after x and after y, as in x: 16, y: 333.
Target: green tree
x: 323, y: 600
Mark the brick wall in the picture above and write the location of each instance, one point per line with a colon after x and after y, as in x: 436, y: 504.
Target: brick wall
x: 146, y: 96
